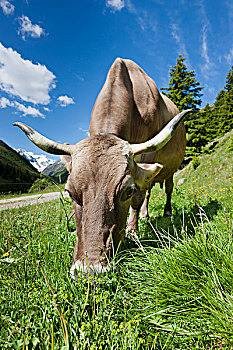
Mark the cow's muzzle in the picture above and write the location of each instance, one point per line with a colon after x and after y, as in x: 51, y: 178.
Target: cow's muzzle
x: 91, y: 269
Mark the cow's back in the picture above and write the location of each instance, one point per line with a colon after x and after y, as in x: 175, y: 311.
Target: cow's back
x: 130, y: 106
x: 127, y: 105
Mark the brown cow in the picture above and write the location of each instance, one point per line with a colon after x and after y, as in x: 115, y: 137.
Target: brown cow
x: 131, y: 121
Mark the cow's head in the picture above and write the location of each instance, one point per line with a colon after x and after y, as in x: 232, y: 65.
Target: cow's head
x: 103, y: 177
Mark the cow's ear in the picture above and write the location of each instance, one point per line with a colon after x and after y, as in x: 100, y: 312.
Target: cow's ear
x: 67, y: 160
x: 145, y: 173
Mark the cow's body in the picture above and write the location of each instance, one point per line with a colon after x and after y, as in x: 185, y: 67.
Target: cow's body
x: 131, y: 107
x: 128, y: 150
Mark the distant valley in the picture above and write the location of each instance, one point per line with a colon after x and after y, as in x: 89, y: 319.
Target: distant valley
x: 20, y: 168
x: 16, y: 172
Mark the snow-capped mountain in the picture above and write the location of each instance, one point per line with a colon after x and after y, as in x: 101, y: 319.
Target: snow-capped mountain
x: 39, y: 161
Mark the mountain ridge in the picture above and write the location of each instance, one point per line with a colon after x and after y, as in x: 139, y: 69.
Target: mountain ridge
x: 39, y: 161
x: 16, y: 172
x: 57, y: 171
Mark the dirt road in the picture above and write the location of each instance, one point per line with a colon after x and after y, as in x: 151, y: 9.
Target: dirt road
x: 29, y: 200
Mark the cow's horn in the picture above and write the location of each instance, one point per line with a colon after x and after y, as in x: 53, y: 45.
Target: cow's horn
x: 161, y: 138
x: 44, y: 143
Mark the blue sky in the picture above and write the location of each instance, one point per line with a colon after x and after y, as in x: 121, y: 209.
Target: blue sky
x: 54, y: 55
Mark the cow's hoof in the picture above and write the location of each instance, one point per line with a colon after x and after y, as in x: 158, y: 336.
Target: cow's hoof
x: 144, y: 216
x: 130, y: 232
x: 167, y: 214
x: 132, y: 235
x: 131, y: 228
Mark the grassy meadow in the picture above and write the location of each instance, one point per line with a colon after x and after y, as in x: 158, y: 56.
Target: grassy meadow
x: 52, y: 188
x: 174, y: 287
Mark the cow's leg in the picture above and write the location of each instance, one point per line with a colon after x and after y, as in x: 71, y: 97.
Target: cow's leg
x: 78, y: 223
x: 168, y: 189
x: 75, y: 254
x: 136, y: 203
x: 144, y: 209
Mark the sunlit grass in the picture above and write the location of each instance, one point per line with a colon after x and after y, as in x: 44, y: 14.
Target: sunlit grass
x: 173, y: 290
x: 52, y: 188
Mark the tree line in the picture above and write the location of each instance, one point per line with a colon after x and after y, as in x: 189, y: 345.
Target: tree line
x: 16, y: 172
x: 209, y: 122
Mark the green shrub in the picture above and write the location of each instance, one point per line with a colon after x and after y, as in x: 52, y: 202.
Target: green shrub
x: 208, y: 149
x: 41, y: 184
x: 196, y: 162
x: 229, y: 147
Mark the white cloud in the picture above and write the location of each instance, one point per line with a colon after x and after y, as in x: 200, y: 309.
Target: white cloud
x: 5, y: 102
x: 229, y: 57
x: 28, y: 110
x: 7, y: 7
x: 145, y: 19
x: 79, y: 77
x: 146, y: 22
x: 211, y: 90
x: 178, y: 36
x: 21, y: 78
x: 29, y: 29
x: 64, y: 101
x: 85, y: 131
x: 47, y: 109
x: 208, y: 67
x: 115, y: 5
x: 130, y: 6
x: 204, y: 53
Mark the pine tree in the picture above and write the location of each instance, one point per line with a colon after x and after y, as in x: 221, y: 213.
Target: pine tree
x: 219, y: 114
x: 185, y: 92
x: 223, y: 112
x: 228, y: 122
x: 183, y: 88
x: 199, y: 131
x: 229, y: 82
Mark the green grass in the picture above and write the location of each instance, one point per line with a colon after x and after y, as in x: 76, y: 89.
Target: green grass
x: 175, y: 285
x: 36, y: 244
x: 52, y: 188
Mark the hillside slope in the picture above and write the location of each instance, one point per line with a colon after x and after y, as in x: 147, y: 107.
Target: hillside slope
x: 16, y: 172
x: 57, y: 171
x: 209, y: 186
x: 216, y: 166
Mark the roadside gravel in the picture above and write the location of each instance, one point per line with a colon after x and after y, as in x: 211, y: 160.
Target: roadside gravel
x: 30, y: 200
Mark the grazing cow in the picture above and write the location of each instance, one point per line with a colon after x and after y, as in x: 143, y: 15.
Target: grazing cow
x: 130, y: 148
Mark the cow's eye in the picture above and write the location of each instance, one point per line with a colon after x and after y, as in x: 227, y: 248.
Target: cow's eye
x: 69, y: 193
x: 128, y: 193
x: 73, y: 199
